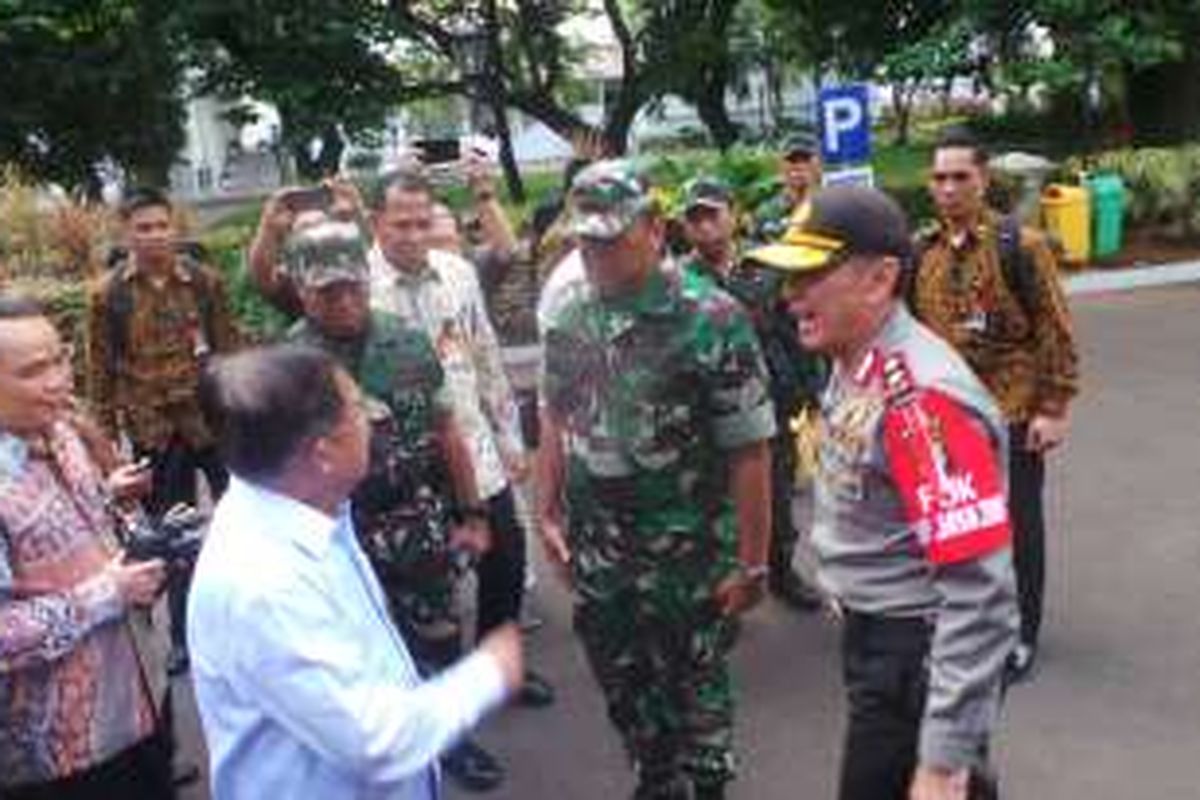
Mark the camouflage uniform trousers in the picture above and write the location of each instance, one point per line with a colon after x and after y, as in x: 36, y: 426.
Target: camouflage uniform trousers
x: 663, y: 669
x: 409, y: 549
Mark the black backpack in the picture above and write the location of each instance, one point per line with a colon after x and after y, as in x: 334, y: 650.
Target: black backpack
x: 1016, y: 267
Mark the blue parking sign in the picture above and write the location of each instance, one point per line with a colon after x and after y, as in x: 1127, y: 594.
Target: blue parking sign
x: 845, y: 124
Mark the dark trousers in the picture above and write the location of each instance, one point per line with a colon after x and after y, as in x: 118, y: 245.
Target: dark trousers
x: 173, y: 481
x: 142, y: 771
x: 1026, y: 480
x: 886, y: 678
x: 783, y: 489
x: 500, y: 572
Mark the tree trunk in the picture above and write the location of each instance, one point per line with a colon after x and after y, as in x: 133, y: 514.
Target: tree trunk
x: 902, y: 104
x: 307, y: 168
x: 545, y: 110
x: 508, y: 159
x: 495, y: 98
x: 711, y: 107
x: 332, y: 147
x: 620, y: 119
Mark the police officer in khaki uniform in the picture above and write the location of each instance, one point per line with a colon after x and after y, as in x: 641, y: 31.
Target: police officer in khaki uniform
x: 912, y: 530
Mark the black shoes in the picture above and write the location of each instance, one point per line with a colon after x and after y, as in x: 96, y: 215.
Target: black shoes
x: 793, y: 590
x: 178, y: 661
x: 680, y: 789
x: 472, y: 767
x: 536, y: 692
x: 1021, y: 663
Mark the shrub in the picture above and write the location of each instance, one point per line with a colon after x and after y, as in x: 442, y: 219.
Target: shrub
x: 1162, y: 185
x: 226, y: 248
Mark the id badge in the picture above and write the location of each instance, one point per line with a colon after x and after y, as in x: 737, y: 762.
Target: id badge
x: 975, y: 322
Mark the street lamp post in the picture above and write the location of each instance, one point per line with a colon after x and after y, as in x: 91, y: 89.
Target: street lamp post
x: 477, y: 50
x: 471, y: 52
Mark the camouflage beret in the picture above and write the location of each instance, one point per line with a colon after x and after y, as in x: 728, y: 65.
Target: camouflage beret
x: 607, y: 198
x: 326, y: 253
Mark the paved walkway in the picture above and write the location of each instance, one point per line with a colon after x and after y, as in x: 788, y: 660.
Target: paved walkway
x: 1113, y: 712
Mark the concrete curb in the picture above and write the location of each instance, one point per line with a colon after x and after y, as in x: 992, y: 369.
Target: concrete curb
x: 1118, y: 280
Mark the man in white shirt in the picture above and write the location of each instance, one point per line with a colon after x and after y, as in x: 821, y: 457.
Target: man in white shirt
x: 305, y: 688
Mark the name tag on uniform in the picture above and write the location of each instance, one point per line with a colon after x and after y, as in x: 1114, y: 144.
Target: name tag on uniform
x: 975, y: 322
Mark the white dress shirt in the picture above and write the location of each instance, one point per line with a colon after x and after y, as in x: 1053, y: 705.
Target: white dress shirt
x: 305, y: 688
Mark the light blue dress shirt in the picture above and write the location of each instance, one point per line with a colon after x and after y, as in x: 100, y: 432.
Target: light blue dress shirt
x: 305, y: 687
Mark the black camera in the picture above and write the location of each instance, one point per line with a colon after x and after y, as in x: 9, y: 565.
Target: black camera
x: 176, y: 538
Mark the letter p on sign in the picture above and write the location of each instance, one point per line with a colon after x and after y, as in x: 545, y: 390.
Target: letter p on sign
x: 845, y: 124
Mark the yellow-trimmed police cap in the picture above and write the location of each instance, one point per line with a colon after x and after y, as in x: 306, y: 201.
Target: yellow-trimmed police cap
x: 844, y: 220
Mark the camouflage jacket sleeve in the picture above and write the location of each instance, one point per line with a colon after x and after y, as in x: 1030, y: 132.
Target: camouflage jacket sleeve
x: 1056, y: 357
x: 97, y: 362
x: 740, y: 401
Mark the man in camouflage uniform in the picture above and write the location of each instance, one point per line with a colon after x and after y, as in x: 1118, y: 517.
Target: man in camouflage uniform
x: 654, y: 479
x: 796, y: 375
x: 800, y: 173
x: 403, y: 511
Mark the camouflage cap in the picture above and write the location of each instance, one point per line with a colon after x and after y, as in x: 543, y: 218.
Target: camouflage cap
x: 607, y: 198
x: 801, y: 143
x: 708, y: 192
x: 327, y: 252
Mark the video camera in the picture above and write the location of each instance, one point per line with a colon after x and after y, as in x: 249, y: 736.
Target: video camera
x: 176, y: 538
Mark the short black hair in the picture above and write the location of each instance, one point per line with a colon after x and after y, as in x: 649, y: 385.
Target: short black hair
x: 961, y: 137
x: 143, y: 197
x: 404, y: 179
x: 264, y: 404
x: 20, y: 306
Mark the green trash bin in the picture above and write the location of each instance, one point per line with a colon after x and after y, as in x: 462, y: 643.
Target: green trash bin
x: 1108, y: 213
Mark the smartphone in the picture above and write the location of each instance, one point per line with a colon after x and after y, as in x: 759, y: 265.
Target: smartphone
x: 315, y: 198
x: 439, y: 151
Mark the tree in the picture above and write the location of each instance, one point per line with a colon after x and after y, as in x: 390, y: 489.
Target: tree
x: 90, y: 83
x: 324, y: 64
x: 1140, y: 52
x: 676, y: 47
x: 942, y: 53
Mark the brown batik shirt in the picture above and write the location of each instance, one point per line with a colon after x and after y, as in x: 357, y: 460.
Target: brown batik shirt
x: 1027, y: 358
x: 145, y: 385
